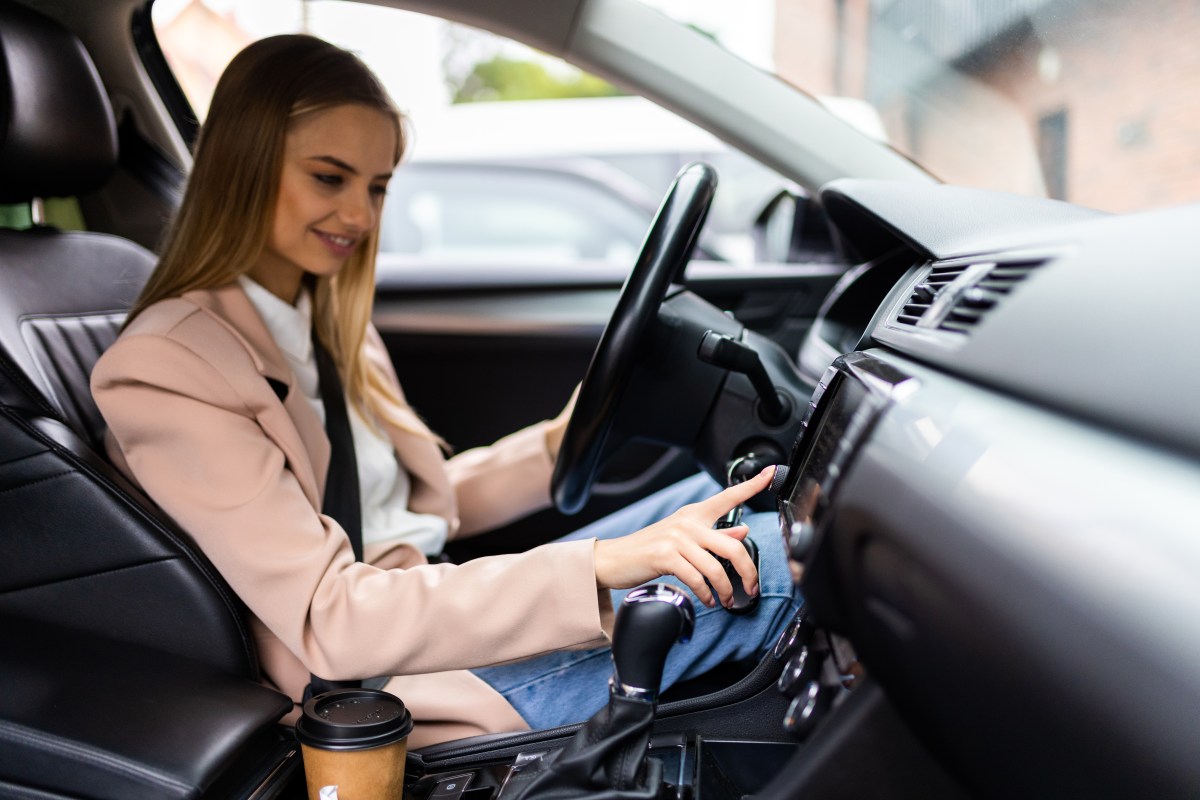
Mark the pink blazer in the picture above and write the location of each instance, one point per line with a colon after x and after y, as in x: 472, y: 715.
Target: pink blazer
x: 194, y: 422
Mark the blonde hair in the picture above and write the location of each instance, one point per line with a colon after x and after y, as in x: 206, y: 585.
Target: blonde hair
x: 224, y: 220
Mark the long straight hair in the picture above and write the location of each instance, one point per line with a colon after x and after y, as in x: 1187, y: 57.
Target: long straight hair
x: 224, y: 220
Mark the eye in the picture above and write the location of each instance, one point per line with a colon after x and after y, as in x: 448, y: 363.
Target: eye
x: 329, y: 179
x: 378, y: 190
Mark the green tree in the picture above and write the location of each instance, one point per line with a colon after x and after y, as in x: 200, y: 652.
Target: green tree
x: 501, y: 78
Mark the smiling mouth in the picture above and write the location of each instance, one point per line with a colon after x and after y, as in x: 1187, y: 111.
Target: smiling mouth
x: 338, y: 242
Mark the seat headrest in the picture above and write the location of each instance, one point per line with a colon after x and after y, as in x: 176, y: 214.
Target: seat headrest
x: 58, y: 137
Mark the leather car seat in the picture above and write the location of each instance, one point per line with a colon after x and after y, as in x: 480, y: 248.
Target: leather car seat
x: 80, y: 546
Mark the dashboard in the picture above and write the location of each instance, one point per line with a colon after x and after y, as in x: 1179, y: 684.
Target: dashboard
x: 996, y: 492
x: 991, y: 510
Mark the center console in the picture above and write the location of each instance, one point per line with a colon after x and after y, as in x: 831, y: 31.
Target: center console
x: 807, y: 722
x: 692, y: 767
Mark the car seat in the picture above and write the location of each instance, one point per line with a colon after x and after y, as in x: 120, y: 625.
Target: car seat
x: 79, y: 545
x: 128, y: 667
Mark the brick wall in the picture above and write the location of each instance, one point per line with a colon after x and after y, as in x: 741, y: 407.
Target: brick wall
x: 1128, y: 80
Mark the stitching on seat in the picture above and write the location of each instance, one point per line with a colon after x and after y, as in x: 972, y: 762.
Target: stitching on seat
x: 71, y: 347
x: 232, y: 602
x: 21, y: 734
x: 35, y: 482
x: 83, y: 576
x: 10, y: 461
x: 39, y: 327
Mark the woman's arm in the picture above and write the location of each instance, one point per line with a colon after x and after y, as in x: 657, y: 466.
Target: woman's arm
x: 205, y: 446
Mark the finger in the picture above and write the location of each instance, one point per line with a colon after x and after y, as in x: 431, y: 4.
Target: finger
x: 707, y: 564
x: 725, y: 501
x: 693, y: 579
x: 728, y: 545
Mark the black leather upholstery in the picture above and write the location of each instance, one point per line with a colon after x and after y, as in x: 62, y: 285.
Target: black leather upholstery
x: 63, y: 301
x: 57, y: 135
x: 80, y: 546
x: 127, y: 668
x: 99, y: 718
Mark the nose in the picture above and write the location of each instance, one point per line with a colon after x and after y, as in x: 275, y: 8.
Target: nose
x: 358, y: 211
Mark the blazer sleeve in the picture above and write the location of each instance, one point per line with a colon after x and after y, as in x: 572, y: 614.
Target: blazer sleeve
x: 196, y: 446
x: 497, y: 484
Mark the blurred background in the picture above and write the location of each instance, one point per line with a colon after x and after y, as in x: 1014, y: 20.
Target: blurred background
x: 519, y: 155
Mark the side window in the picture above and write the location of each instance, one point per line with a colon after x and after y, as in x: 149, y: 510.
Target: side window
x: 539, y: 213
x: 515, y: 155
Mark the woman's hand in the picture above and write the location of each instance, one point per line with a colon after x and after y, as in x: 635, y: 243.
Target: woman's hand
x: 557, y: 427
x: 685, y: 545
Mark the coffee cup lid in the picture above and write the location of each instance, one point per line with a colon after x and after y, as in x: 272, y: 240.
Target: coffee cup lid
x: 353, y: 719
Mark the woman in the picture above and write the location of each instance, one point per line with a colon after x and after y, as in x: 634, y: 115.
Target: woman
x: 214, y: 404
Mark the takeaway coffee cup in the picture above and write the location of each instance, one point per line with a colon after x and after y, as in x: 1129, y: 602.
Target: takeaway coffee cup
x: 357, y: 740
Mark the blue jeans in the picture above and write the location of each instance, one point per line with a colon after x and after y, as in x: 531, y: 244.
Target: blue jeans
x: 571, y: 685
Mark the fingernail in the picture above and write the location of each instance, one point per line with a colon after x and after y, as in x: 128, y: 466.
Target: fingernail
x: 753, y: 590
x: 770, y: 469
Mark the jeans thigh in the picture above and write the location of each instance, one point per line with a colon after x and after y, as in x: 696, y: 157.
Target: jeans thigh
x: 569, y: 686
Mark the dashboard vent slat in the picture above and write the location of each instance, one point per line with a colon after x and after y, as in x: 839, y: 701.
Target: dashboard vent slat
x: 956, y: 297
x: 973, y: 302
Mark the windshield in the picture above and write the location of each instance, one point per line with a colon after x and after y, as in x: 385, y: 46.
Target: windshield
x: 1090, y: 101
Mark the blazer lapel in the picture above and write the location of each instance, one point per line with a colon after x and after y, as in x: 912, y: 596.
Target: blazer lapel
x: 293, y: 424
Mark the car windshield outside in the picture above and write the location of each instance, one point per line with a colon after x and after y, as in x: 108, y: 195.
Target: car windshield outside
x: 1089, y: 101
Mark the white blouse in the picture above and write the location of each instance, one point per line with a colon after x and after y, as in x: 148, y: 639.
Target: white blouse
x: 383, y: 483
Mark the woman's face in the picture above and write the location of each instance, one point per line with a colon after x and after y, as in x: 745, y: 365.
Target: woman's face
x: 336, y: 167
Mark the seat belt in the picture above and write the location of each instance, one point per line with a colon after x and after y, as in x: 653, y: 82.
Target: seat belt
x: 341, y: 500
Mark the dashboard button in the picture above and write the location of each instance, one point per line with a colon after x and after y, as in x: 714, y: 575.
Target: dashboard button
x: 451, y: 788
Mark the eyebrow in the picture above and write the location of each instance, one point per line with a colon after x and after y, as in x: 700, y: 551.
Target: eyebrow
x: 337, y: 162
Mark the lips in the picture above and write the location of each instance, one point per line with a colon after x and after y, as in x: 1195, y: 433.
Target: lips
x: 339, y: 245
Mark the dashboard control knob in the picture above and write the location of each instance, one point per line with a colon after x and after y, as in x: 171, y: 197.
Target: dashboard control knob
x: 797, y: 634
x: 778, y: 479
x: 801, y: 537
x: 802, y: 668
x: 806, y: 710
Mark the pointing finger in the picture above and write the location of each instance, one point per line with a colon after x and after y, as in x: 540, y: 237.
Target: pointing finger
x: 725, y: 501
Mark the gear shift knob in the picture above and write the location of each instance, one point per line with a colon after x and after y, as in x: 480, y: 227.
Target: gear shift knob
x: 648, y: 623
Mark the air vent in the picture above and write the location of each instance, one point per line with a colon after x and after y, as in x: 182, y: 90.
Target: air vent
x: 980, y: 296
x: 924, y: 294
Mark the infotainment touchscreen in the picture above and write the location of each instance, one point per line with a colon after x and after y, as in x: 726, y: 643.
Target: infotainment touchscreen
x: 821, y: 450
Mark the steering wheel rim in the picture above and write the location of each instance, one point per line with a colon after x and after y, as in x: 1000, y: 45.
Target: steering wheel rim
x: 665, y: 253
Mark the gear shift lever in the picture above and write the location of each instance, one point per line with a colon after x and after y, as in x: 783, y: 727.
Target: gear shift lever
x: 648, y: 623
x: 606, y: 759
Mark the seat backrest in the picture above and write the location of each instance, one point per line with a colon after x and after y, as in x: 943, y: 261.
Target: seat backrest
x: 79, y: 545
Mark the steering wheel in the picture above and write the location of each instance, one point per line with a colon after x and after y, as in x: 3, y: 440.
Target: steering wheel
x: 664, y: 255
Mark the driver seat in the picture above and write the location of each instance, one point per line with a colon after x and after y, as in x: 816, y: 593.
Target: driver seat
x: 80, y: 545
x: 129, y: 669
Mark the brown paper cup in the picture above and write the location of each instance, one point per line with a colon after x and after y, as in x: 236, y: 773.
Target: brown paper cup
x: 375, y: 774
x: 357, y: 740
